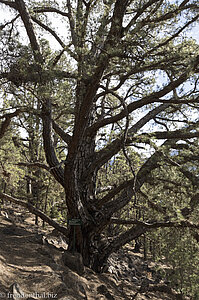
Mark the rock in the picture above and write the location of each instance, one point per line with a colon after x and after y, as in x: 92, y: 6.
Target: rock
x: 102, y: 289
x: 55, y: 232
x: 131, y: 265
x: 134, y: 279
x: 145, y: 285
x: 82, y: 290
x: 74, y: 262
x: 112, y: 270
x: 9, y: 230
x: 17, y: 293
x: 40, y: 239
x: 44, y: 251
x: 4, y: 214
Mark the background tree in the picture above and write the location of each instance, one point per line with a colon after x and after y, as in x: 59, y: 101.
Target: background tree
x: 124, y: 67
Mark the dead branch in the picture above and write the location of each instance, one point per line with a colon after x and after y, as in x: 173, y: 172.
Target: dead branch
x: 36, y: 212
x: 152, y: 225
x: 34, y: 165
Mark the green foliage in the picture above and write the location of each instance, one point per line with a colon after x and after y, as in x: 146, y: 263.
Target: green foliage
x: 10, y: 173
x: 119, y: 61
x: 177, y: 248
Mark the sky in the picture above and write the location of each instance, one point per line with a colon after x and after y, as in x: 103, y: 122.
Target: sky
x: 5, y: 15
x: 6, y: 12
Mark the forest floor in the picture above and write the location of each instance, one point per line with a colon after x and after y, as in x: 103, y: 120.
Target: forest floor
x: 31, y: 263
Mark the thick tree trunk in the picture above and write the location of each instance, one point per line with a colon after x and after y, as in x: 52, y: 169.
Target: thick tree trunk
x: 80, y: 196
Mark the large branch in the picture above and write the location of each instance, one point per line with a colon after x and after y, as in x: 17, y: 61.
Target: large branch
x: 152, y: 98
x: 72, y: 24
x: 84, y: 106
x: 162, y: 135
x: 49, y: 9
x: 9, y: 3
x: 29, y: 29
x: 154, y: 225
x: 115, y: 32
x: 128, y: 190
x: 65, y: 136
x: 29, y: 74
x: 122, y: 239
x: 137, y: 230
x: 35, y: 211
x: 34, y: 165
x: 51, y: 31
x: 55, y: 165
x: 115, y: 191
x: 114, y: 147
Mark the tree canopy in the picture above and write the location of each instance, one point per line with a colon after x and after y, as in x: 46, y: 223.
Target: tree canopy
x: 108, y: 90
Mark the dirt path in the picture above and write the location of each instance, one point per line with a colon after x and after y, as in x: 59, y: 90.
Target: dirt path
x: 28, y: 260
x: 32, y: 258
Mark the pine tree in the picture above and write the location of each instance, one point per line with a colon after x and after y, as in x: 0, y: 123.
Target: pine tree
x: 124, y: 66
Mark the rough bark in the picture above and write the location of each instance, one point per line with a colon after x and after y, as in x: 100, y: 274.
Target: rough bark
x: 55, y: 165
x: 77, y: 174
x: 101, y: 257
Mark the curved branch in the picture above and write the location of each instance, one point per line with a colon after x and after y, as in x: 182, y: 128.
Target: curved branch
x: 154, y: 225
x: 55, y: 165
x: 34, y: 165
x: 136, y: 231
x: 9, y: 3
x: 50, y: 9
x: 153, y: 97
x: 65, y: 136
x: 114, y: 147
x: 36, y: 212
x: 10, y: 22
x: 21, y: 7
x: 121, y: 240
x: 49, y: 30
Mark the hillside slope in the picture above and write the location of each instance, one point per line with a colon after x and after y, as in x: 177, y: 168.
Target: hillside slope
x: 31, y: 263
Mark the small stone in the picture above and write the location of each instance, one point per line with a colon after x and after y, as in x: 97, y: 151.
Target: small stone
x: 11, y: 230
x: 102, y: 289
x: 134, y: 279
x: 74, y: 262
